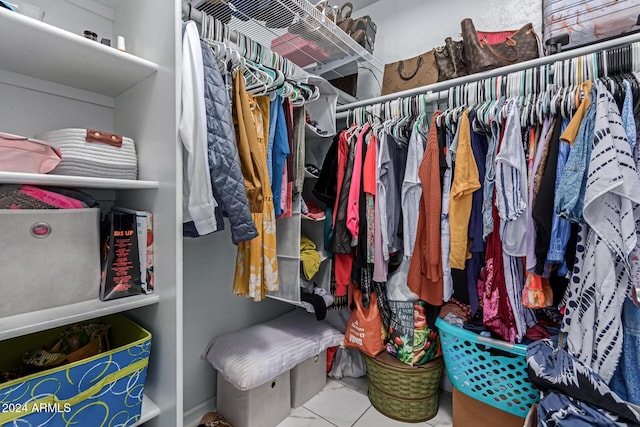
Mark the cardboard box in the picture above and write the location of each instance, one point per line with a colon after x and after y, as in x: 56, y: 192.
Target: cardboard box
x: 468, y: 411
x: 105, y: 389
x: 49, y: 258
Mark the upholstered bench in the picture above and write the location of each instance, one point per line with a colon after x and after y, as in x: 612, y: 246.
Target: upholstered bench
x: 268, y: 368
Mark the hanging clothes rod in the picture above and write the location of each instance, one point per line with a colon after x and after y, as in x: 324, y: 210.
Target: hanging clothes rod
x: 446, y: 85
x: 238, y: 38
x: 196, y: 15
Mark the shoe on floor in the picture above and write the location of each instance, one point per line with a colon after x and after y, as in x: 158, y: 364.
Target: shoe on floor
x: 213, y: 419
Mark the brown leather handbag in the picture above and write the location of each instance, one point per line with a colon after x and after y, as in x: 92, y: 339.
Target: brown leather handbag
x: 479, y: 55
x: 410, y: 73
x: 450, y: 60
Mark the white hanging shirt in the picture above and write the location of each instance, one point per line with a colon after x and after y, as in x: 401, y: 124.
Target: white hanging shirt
x: 198, y: 204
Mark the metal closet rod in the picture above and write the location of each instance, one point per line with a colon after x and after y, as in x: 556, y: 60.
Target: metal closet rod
x: 197, y: 16
x: 446, y: 85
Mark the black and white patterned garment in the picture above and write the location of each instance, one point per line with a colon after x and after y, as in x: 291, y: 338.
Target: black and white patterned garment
x: 601, y: 278
x: 574, y: 395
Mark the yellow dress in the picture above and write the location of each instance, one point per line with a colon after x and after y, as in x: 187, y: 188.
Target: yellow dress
x: 256, y: 263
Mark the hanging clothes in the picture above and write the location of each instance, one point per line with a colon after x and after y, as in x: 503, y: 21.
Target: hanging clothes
x: 445, y: 228
x: 497, y: 312
x: 326, y: 187
x: 490, y: 175
x: 538, y: 157
x: 198, y: 204
x: 542, y: 211
x: 362, y: 274
x: 473, y: 265
x: 465, y: 182
x: 369, y: 188
x: 224, y: 163
x: 592, y: 315
x: 353, y: 201
x: 568, y: 203
x: 341, y: 240
x: 299, y: 144
x: 256, y: 264
x: 511, y: 185
x: 392, y: 159
x: 381, y: 264
x: 425, y: 271
x: 279, y: 154
x: 411, y: 188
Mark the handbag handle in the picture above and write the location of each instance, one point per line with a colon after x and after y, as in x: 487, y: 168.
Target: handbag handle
x: 509, y: 42
x: 344, y: 15
x: 401, y: 68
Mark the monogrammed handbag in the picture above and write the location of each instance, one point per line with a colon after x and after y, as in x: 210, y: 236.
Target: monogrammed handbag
x: 481, y: 55
x: 410, y: 73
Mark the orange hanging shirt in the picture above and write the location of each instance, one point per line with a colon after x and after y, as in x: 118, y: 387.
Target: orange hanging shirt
x: 465, y: 181
x: 425, y: 277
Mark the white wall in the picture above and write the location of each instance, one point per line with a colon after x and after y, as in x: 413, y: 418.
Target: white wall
x: 407, y: 28
x: 211, y: 309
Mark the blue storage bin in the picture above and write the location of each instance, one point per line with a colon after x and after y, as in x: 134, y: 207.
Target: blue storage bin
x: 103, y: 390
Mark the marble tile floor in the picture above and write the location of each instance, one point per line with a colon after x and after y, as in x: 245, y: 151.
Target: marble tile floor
x: 344, y: 403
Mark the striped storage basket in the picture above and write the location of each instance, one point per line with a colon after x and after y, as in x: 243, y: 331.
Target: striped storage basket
x: 93, y: 153
x: 402, y: 392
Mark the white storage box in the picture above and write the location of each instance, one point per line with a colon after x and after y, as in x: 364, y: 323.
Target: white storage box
x: 48, y: 258
x: 264, y: 406
x: 308, y: 379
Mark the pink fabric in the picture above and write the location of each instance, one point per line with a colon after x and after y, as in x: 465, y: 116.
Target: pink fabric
x: 51, y: 198
x: 497, y: 312
x: 494, y: 37
x: 353, y: 204
x: 284, y: 192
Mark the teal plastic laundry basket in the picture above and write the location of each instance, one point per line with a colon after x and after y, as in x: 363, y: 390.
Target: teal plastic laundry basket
x: 499, y: 380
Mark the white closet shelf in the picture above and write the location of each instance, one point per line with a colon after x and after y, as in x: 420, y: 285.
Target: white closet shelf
x: 75, y: 181
x: 49, y: 53
x: 35, y: 321
x: 288, y: 301
x: 324, y: 49
x: 149, y: 411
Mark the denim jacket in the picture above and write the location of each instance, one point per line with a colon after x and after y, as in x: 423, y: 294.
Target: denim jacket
x: 569, y: 202
x: 560, y: 227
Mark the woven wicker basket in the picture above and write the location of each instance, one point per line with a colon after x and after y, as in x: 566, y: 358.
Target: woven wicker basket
x: 402, y: 392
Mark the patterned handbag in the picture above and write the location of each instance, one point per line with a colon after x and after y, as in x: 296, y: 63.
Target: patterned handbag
x: 450, y: 60
x: 481, y: 55
x: 410, y: 73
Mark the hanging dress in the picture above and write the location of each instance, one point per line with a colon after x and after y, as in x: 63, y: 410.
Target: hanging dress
x: 256, y: 262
